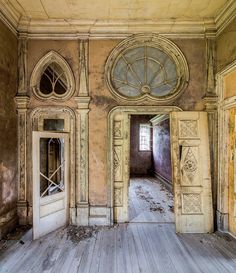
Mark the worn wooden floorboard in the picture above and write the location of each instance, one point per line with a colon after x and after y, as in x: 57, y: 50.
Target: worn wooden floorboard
x: 149, y: 201
x: 130, y: 248
x: 151, y: 246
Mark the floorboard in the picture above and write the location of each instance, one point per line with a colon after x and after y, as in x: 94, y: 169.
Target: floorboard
x: 148, y: 244
x: 130, y: 248
x: 150, y: 201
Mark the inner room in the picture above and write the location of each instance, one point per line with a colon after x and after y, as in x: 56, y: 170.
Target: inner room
x: 150, y: 188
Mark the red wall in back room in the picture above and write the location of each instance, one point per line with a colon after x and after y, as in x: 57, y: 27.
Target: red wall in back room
x: 161, y: 149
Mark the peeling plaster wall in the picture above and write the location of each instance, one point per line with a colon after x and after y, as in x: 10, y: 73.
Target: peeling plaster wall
x: 161, y: 149
x: 102, y: 101
x: 140, y: 161
x: 226, y: 46
x: 8, y: 129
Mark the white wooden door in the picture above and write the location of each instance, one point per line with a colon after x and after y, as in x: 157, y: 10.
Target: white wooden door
x: 50, y: 182
x: 121, y: 128
x: 191, y: 172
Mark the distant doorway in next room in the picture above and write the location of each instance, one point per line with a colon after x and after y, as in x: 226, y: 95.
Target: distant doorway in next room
x: 150, y: 188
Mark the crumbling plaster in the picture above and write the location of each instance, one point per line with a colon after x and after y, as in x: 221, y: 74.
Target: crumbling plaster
x: 8, y: 128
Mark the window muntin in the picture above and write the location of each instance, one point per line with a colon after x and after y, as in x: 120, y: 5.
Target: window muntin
x: 144, y: 137
x: 52, y: 78
x: 145, y: 70
x: 147, y: 66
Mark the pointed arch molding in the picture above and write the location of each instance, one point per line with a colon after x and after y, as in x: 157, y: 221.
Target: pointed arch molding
x: 42, y: 64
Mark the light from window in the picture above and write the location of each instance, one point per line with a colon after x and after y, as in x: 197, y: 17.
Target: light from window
x: 144, y: 137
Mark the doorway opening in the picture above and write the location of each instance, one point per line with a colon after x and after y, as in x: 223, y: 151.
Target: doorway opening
x: 150, y: 185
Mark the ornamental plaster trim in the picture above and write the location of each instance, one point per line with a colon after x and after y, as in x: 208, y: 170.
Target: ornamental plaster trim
x: 38, y: 70
x: 156, y: 41
x: 127, y: 110
x: 100, y: 29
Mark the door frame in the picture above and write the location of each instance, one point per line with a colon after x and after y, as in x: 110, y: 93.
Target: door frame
x: 36, y: 135
x: 224, y: 106
x: 130, y: 110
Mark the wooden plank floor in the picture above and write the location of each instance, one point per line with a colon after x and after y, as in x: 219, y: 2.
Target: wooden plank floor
x: 150, y: 201
x: 127, y: 248
x: 148, y: 244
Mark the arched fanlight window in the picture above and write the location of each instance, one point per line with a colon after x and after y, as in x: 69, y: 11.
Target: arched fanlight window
x: 52, y: 78
x: 147, y: 66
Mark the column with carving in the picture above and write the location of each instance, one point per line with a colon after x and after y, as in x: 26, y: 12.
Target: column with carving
x: 210, y: 100
x: 22, y: 101
x: 82, y: 132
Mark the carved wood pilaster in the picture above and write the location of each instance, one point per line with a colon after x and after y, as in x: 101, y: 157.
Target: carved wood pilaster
x: 211, y: 108
x: 82, y: 160
x: 83, y: 61
x: 22, y: 65
x: 22, y: 102
x: 210, y: 67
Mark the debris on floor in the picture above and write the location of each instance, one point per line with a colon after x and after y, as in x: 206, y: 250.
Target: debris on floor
x: 79, y: 233
x: 145, y: 195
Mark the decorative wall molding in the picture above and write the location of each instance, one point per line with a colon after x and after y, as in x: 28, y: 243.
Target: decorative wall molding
x: 52, y: 57
x: 98, y: 29
x: 117, y: 159
x: 99, y: 216
x: 83, y: 61
x: 82, y: 139
x: 22, y: 65
x: 22, y: 105
x: 172, y: 55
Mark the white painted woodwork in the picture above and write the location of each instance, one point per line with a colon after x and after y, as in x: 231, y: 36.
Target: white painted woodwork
x: 191, y: 172
x: 121, y: 129
x: 52, y: 211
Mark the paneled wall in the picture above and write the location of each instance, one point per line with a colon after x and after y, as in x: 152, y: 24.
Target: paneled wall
x: 8, y: 129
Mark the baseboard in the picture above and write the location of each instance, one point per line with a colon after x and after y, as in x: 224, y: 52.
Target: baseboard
x: 8, y: 222
x: 99, y: 216
x: 164, y: 180
x: 222, y: 221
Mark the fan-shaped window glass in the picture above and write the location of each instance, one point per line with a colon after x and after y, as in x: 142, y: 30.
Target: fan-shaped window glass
x: 145, y: 70
x: 53, y: 80
x: 146, y: 66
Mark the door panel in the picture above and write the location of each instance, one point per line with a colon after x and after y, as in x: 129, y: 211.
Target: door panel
x: 121, y: 166
x: 50, y: 182
x: 191, y: 172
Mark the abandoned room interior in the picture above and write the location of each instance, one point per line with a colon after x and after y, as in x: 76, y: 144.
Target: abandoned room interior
x: 118, y: 136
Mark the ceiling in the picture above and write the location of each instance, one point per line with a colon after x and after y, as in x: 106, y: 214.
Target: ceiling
x: 114, y: 16
x: 118, y: 9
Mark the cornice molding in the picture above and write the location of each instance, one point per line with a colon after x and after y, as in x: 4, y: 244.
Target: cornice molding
x: 114, y: 29
x: 73, y: 29
x: 8, y: 23
x: 225, y: 16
